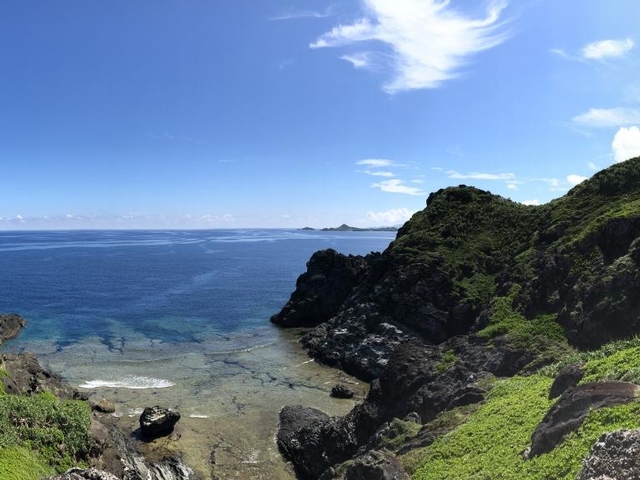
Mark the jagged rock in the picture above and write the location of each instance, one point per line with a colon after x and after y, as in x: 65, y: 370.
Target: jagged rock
x: 571, y: 409
x: 568, y: 377
x: 321, y: 290
x: 342, y: 391
x: 615, y: 456
x: 25, y: 376
x: 86, y: 474
x: 157, y: 421
x: 373, y: 465
x: 104, y: 406
x: 10, y: 325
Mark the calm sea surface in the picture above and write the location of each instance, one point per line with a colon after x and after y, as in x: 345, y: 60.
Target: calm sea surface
x: 179, y: 318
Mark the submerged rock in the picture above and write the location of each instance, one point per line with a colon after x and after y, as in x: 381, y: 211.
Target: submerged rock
x: 342, y: 391
x: 616, y: 455
x: 571, y: 409
x: 157, y: 421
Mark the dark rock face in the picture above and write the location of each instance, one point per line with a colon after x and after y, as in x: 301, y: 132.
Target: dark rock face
x: 88, y: 474
x: 10, y: 325
x: 342, y: 391
x: 571, y: 409
x: 373, y: 465
x: 568, y: 377
x: 320, y: 291
x: 412, y: 384
x: 25, y: 376
x: 157, y: 421
x: 616, y: 455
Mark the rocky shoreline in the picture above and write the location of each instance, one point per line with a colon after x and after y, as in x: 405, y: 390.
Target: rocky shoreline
x: 113, y: 455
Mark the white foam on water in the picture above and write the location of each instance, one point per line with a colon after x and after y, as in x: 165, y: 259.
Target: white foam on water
x: 130, y: 382
x: 198, y: 415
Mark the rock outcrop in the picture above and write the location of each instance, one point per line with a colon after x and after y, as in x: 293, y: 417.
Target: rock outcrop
x: 84, y: 474
x: 615, y: 456
x: 320, y: 291
x: 372, y: 465
x: 573, y: 406
x: 10, y: 325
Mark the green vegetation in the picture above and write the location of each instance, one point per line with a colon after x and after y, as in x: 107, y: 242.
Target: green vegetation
x: 398, y: 434
x: 490, y: 444
x: 54, y: 432
x: 448, y: 359
x: 22, y: 464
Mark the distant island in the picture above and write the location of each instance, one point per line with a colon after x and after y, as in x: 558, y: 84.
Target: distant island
x: 348, y: 228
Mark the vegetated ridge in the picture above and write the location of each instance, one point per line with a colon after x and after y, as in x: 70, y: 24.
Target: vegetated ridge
x: 475, y: 292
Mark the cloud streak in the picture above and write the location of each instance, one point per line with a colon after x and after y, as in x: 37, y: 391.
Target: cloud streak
x: 607, y: 117
x: 427, y: 42
x: 397, y: 186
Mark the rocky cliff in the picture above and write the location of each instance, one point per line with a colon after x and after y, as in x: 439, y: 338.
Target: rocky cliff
x: 474, y: 286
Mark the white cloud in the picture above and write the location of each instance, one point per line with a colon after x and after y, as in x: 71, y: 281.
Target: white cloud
x: 574, y: 179
x: 377, y: 162
x: 535, y: 201
x: 592, y: 166
x: 429, y: 40
x: 608, y: 117
x: 376, y: 173
x: 293, y: 14
x: 606, y: 48
x: 358, y: 60
x: 391, y: 217
x: 626, y: 144
x: 512, y: 186
x: 396, y: 186
x: 481, y: 176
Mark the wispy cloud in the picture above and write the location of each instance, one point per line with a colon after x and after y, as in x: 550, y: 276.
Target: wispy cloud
x: 397, y: 186
x: 607, y: 117
x: 391, y: 217
x: 292, y: 14
x: 481, y: 176
x: 174, y: 138
x: 626, y: 144
x: 378, y: 163
x: 358, y: 60
x: 535, y: 201
x: 606, y: 48
x: 378, y: 173
x: 430, y: 41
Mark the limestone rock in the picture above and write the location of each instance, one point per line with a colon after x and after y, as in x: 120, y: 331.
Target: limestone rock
x: 373, y: 465
x: 104, y: 406
x: 616, y: 455
x: 157, y: 421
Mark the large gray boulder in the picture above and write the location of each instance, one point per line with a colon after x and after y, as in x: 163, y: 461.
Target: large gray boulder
x: 157, y: 421
x: 615, y: 456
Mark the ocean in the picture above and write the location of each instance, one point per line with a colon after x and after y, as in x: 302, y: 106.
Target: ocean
x: 180, y: 319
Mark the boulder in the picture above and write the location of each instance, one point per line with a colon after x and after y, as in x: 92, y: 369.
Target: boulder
x: 616, y: 455
x: 157, y: 421
x: 571, y: 409
x: 568, y: 377
x: 342, y: 391
x: 104, y: 406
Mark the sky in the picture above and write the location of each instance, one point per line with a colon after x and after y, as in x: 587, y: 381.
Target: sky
x: 290, y: 114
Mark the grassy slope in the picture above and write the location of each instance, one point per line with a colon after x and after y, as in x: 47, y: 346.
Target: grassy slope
x: 41, y: 435
x: 490, y: 443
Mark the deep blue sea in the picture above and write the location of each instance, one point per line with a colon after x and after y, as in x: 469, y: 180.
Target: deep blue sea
x: 178, y: 318
x: 174, y: 286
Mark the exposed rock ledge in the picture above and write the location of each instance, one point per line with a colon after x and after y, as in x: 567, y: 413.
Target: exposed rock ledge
x: 10, y: 325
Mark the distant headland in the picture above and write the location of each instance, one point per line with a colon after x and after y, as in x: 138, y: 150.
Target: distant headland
x: 348, y: 228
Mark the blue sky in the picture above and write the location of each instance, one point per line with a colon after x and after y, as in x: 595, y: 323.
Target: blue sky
x: 270, y: 113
